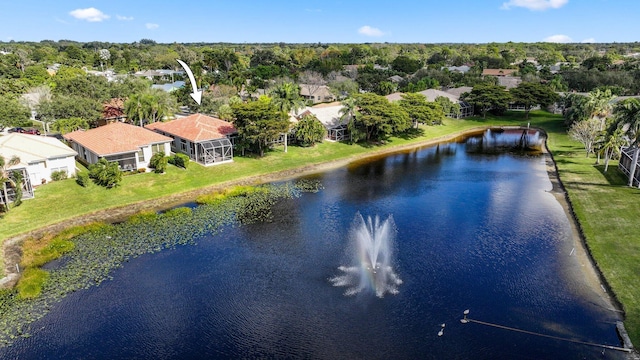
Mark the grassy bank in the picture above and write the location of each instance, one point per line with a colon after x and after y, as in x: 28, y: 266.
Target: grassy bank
x: 609, y: 214
x: 607, y: 210
x: 60, y: 201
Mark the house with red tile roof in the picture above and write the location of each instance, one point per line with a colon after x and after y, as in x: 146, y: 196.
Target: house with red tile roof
x: 129, y: 145
x: 205, y: 139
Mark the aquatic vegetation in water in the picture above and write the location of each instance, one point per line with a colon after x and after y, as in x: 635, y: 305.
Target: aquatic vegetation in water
x: 101, y: 248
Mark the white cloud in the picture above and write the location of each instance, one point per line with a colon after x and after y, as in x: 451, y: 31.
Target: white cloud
x: 89, y: 14
x: 535, y: 4
x: 558, y: 39
x: 589, y: 41
x: 313, y: 10
x: 124, y: 18
x: 370, y: 31
x: 151, y: 26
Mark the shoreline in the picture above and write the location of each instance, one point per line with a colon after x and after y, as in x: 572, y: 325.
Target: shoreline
x: 11, y: 247
x: 590, y: 267
x: 11, y: 250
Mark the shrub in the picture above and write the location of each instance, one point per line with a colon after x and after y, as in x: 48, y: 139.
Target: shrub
x: 142, y: 170
x: 58, y: 175
x: 158, y: 162
x: 180, y: 160
x: 82, y: 179
x: 17, y: 178
x: 105, y: 173
x: 309, y: 131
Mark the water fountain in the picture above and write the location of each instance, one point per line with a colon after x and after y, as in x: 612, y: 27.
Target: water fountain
x: 371, y: 245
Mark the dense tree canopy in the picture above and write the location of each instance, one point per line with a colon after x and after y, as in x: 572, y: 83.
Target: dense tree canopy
x: 406, y: 65
x: 420, y: 110
x: 531, y: 94
x: 66, y: 107
x: 13, y: 113
x: 487, y: 97
x: 259, y: 123
x: 346, y: 68
x: 377, y: 119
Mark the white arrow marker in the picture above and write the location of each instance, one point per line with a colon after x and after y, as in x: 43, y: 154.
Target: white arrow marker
x: 196, y: 95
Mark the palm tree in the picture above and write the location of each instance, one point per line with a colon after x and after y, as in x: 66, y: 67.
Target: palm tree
x: 627, y: 115
x: 6, y: 178
x: 161, y: 105
x: 611, y: 145
x: 151, y: 105
x: 135, y: 109
x: 287, y: 98
x: 349, y: 108
x: 310, y: 130
x: 599, y: 104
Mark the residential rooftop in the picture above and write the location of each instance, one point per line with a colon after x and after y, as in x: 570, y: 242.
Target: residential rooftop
x: 195, y: 127
x: 115, y: 138
x: 32, y: 148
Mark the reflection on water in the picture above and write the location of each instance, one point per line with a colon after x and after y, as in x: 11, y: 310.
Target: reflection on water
x: 473, y: 232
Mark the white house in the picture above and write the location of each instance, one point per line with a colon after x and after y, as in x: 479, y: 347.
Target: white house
x: 129, y: 145
x: 316, y: 93
x: 39, y: 155
x: 330, y: 115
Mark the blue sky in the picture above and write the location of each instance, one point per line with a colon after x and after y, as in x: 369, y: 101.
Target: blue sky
x: 327, y: 21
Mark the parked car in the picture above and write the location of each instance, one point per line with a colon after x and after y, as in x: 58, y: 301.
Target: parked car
x: 31, y: 131
x: 25, y: 131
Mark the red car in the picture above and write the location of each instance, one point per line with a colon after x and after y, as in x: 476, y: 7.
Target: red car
x: 31, y: 131
x: 25, y: 131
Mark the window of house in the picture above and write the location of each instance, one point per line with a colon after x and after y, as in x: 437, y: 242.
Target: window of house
x: 183, y: 144
x: 156, y: 148
x: 62, y: 168
x: 140, y: 155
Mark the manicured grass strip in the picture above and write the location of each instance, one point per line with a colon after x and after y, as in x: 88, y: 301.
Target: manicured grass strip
x: 609, y: 214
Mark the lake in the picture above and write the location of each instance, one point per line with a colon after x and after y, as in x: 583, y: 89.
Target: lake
x: 474, y: 230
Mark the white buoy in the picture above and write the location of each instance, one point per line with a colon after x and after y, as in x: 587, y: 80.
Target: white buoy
x: 464, y: 319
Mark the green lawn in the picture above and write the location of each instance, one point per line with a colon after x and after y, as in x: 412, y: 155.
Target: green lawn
x: 607, y: 210
x: 609, y: 214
